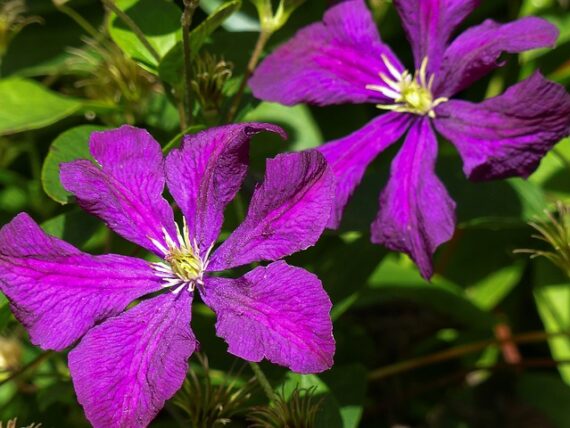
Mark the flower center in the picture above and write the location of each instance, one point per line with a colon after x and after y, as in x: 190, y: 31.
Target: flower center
x: 411, y: 94
x: 183, y: 264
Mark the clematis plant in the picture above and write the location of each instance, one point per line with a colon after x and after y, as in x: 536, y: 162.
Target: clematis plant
x: 129, y: 360
x: 343, y: 60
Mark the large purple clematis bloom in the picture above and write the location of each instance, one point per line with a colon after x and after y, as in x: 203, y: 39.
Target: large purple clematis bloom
x: 342, y: 59
x: 127, y: 363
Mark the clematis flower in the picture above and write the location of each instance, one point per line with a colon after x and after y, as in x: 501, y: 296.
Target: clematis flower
x: 129, y: 361
x: 343, y: 60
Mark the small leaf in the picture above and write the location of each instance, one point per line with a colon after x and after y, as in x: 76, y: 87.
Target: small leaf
x: 159, y: 21
x: 28, y: 105
x: 70, y: 145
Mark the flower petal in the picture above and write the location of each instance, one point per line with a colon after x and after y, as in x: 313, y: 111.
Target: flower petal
x: 507, y: 135
x: 125, y: 190
x: 429, y: 25
x: 416, y: 213
x: 57, y: 291
x: 349, y: 156
x: 279, y: 312
x: 207, y: 171
x: 126, y: 368
x: 476, y: 52
x: 288, y: 212
x: 329, y: 62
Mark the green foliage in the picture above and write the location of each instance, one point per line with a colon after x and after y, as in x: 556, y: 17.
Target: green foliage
x: 71, y: 145
x: 28, y: 105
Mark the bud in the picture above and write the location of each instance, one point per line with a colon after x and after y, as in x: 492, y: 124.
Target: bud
x: 271, y: 22
x: 555, y: 231
x: 299, y: 411
x: 210, y: 74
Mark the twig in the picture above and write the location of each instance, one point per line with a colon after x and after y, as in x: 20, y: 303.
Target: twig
x: 459, y: 351
x: 133, y: 26
x: 264, y: 36
x: 262, y: 379
x: 189, y: 8
x: 35, y: 362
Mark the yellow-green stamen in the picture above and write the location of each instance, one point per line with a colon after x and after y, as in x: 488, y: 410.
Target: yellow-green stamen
x: 411, y: 94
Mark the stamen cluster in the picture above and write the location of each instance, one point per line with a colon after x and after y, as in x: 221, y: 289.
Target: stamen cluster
x: 411, y: 94
x: 183, y: 266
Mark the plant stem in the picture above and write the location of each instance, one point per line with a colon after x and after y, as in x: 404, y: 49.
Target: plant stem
x: 79, y: 20
x: 262, y: 40
x: 262, y: 379
x: 34, y: 363
x: 459, y: 351
x: 133, y: 26
x: 189, y: 8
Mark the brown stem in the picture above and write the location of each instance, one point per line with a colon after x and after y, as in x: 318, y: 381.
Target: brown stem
x: 264, y: 36
x: 459, y: 351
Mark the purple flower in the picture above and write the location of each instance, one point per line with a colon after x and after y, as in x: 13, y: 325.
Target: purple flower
x: 342, y: 59
x: 128, y: 363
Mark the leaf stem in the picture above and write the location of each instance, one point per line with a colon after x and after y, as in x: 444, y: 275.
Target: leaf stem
x: 79, y: 20
x: 263, y: 381
x: 32, y: 364
x: 133, y: 26
x: 262, y: 40
x: 189, y: 8
x: 459, y: 351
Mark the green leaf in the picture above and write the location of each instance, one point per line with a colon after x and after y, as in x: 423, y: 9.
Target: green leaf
x: 28, y: 105
x: 171, y: 68
x: 303, y: 132
x: 491, y: 290
x: 158, y: 20
x: 399, y: 279
x: 70, y: 145
x: 240, y: 21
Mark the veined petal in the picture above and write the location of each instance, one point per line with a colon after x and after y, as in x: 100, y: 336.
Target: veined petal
x: 429, y: 25
x: 349, y: 156
x: 125, y: 189
x: 507, y: 135
x: 279, y: 312
x: 205, y: 174
x: 476, y: 52
x: 288, y: 212
x: 416, y: 213
x: 126, y: 368
x: 57, y: 291
x: 329, y: 62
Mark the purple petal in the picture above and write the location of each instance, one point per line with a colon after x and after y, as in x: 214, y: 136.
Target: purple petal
x: 429, y: 25
x: 288, y: 212
x: 207, y: 171
x: 349, y: 156
x: 329, y: 62
x: 476, y: 52
x: 279, y: 312
x: 125, y: 189
x: 57, y: 291
x: 416, y: 213
x: 125, y: 369
x: 507, y: 135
